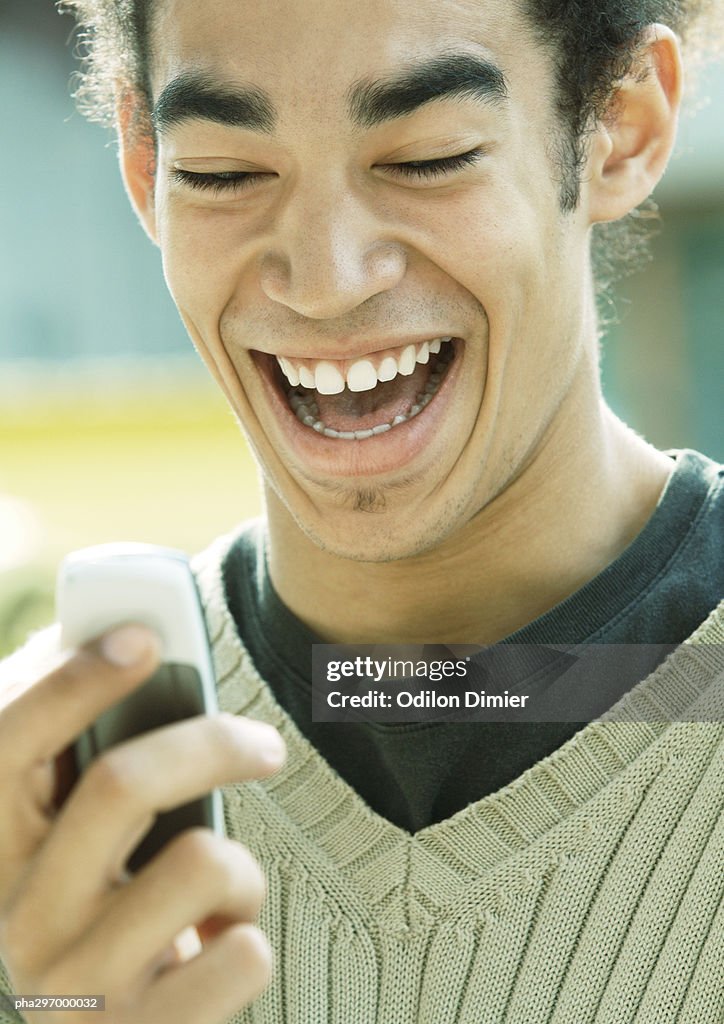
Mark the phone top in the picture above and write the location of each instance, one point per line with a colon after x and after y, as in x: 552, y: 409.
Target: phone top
x: 108, y: 585
x: 123, y: 549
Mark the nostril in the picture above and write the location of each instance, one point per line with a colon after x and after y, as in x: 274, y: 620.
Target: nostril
x: 326, y: 285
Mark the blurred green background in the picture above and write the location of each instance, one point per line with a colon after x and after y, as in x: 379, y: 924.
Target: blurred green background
x: 109, y: 425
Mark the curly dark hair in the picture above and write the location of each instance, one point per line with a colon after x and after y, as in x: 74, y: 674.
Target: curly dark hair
x: 594, y: 45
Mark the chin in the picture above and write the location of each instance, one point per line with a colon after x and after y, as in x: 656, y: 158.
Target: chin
x: 367, y: 531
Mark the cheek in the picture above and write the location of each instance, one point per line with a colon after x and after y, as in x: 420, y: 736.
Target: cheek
x: 198, y: 265
x: 494, y: 242
x: 520, y: 258
x: 199, y: 281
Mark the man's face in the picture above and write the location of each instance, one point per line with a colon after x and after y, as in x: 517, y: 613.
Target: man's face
x: 343, y: 186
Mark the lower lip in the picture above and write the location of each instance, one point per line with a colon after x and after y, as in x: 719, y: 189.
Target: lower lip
x: 372, y: 456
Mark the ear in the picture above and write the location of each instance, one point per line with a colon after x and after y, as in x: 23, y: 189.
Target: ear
x: 137, y: 157
x: 630, y: 149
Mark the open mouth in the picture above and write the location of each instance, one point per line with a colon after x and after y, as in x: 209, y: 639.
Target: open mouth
x: 362, y: 399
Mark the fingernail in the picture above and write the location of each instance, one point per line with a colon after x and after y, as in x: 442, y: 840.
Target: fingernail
x: 274, y: 750
x: 127, y: 645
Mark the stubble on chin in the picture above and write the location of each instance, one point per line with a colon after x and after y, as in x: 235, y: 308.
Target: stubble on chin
x: 368, y: 499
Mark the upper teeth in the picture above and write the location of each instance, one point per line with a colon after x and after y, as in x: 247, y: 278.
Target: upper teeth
x: 330, y: 379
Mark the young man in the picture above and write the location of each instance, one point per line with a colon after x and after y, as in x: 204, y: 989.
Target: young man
x: 359, y: 206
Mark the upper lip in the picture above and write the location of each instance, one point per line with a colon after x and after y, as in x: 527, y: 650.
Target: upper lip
x: 349, y: 350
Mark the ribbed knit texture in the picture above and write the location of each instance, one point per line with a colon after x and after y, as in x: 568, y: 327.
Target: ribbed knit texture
x: 588, y: 891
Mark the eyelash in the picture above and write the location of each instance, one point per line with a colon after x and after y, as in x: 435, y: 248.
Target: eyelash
x: 436, y: 168
x: 222, y: 181
x: 233, y: 181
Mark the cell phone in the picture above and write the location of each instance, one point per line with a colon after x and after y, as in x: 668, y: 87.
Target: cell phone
x: 111, y: 584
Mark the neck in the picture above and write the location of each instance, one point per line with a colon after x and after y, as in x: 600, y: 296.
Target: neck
x: 569, y: 511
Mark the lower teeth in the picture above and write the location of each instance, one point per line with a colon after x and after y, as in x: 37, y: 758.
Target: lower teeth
x: 307, y: 412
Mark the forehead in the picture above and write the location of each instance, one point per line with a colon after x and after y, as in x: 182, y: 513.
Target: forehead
x: 311, y: 51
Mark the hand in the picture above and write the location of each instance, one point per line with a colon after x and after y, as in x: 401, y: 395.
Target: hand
x: 72, y: 922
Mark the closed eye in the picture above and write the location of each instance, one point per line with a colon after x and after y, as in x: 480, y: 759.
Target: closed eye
x: 219, y: 181
x: 234, y: 181
x: 435, y: 168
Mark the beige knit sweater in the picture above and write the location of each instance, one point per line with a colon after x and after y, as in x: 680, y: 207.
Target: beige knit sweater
x: 588, y: 891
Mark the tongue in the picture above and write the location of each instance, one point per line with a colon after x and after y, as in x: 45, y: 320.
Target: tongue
x: 362, y: 410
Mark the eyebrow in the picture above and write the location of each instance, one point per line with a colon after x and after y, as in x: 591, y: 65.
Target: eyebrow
x: 450, y: 75
x: 195, y: 95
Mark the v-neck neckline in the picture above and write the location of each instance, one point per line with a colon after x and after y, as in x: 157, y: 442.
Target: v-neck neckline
x: 548, y: 795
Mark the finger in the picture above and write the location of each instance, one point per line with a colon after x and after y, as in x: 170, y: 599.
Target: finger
x: 19, y: 671
x: 54, y: 706
x: 117, y: 799
x: 233, y: 969
x: 195, y: 875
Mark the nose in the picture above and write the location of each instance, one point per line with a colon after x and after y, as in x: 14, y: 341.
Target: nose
x: 329, y: 254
